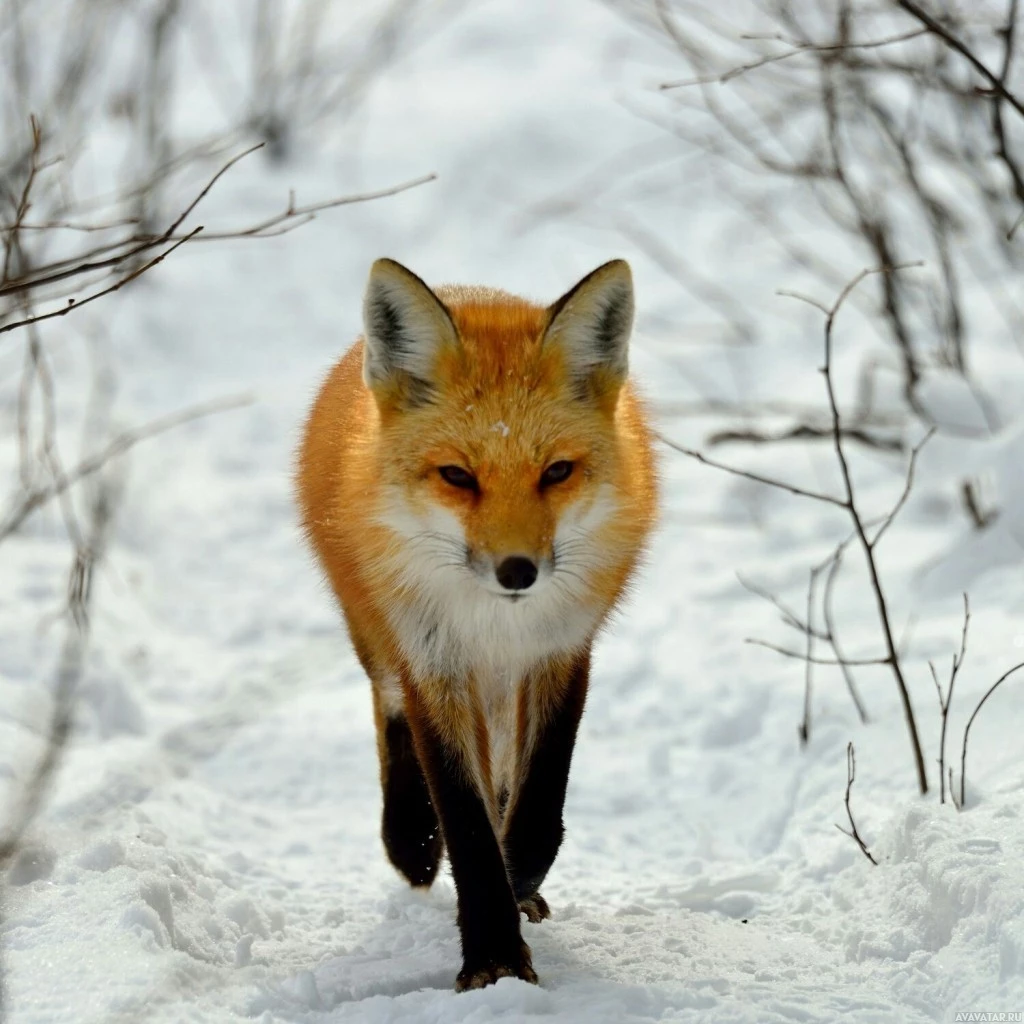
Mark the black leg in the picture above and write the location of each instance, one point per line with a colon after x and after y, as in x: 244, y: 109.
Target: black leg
x: 411, y: 833
x: 492, y: 945
x: 533, y: 826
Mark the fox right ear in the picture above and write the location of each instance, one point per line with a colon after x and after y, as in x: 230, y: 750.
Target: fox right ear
x: 406, y: 328
x: 591, y: 324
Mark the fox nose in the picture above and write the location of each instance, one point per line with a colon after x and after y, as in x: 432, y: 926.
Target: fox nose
x: 516, y: 573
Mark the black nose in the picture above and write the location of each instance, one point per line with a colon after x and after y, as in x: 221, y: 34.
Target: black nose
x: 516, y: 573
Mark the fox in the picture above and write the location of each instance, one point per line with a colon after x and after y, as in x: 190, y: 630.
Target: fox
x: 477, y: 481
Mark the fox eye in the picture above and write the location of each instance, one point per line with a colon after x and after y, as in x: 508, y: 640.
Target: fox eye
x: 458, y: 477
x: 556, y: 473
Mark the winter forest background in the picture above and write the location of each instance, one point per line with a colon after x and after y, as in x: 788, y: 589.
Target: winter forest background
x: 823, y: 204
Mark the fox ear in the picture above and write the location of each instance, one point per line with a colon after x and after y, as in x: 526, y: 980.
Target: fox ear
x: 592, y: 323
x: 406, y: 328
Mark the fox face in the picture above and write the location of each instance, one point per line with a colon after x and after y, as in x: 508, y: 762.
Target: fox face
x: 502, y: 489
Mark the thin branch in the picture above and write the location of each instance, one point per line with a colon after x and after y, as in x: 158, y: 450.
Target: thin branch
x: 938, y: 29
x: 134, y: 245
x: 980, y: 518
x: 205, y: 191
x: 828, y: 635
x: 908, y: 484
x: 271, y: 227
x: 967, y: 731
x: 828, y: 612
x: 109, y: 290
x: 84, y: 264
x: 851, y: 773
x: 789, y: 617
x: 12, y: 247
x: 117, y: 446
x: 998, y: 123
x: 945, y: 700
x: 805, y: 432
x: 756, y: 477
x: 804, y: 729
x: 802, y: 656
x: 798, y: 49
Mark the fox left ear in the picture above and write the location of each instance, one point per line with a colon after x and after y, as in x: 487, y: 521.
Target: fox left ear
x: 592, y: 324
x: 407, y: 328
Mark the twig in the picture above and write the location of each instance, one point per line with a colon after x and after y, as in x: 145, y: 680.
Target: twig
x: 292, y: 216
x: 981, y: 518
x: 851, y: 771
x: 746, y: 474
x: 789, y: 617
x: 967, y: 731
x: 834, y: 562
x: 946, y: 700
x: 806, y: 432
x: 799, y: 49
x: 117, y: 446
x: 205, y: 191
x: 804, y: 729
x: 109, y: 290
x: 938, y: 29
x: 84, y: 262
x: 998, y: 124
x: 12, y: 246
x: 817, y: 660
x: 907, y: 486
x: 271, y: 227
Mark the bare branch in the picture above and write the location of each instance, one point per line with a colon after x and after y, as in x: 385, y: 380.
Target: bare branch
x: 117, y: 446
x: 851, y: 772
x: 788, y: 616
x: 798, y: 49
x: 834, y: 563
x: 945, y: 700
x: 859, y: 527
x: 109, y: 290
x: 907, y: 486
x: 806, y: 432
x: 995, y: 81
x: 804, y: 729
x: 12, y: 248
x: 756, y: 477
x: 980, y: 518
x: 126, y: 249
x: 967, y: 731
x: 802, y: 655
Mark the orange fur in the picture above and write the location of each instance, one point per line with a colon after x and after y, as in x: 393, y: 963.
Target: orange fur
x: 505, y: 409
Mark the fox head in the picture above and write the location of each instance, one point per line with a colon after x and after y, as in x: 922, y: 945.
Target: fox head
x: 501, y: 456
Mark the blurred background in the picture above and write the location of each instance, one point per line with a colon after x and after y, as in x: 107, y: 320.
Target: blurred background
x: 184, y: 735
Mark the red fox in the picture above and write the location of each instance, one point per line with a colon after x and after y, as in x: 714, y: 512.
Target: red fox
x: 477, y: 480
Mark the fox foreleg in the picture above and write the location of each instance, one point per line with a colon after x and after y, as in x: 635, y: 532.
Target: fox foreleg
x: 488, y: 916
x: 533, y: 822
x: 409, y: 825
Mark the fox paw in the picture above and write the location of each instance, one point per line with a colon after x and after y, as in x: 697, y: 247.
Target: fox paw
x: 535, y: 908
x: 480, y: 976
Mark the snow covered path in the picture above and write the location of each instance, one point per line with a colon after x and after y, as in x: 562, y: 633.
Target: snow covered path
x: 212, y: 853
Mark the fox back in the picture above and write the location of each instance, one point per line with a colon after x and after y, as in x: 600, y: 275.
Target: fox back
x: 477, y: 481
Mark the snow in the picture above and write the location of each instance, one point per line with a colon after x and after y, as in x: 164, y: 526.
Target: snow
x: 211, y: 852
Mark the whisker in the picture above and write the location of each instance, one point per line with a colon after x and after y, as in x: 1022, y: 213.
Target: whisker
x: 569, y: 572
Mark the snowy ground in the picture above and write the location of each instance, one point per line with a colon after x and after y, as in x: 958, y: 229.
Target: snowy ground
x: 211, y: 851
